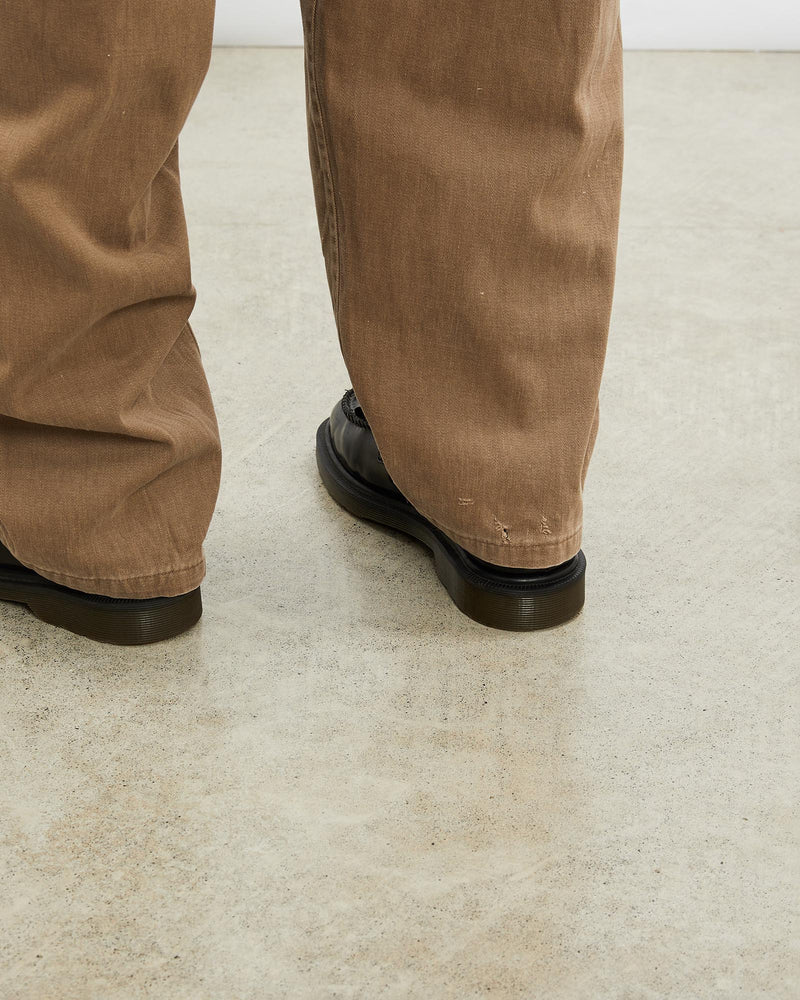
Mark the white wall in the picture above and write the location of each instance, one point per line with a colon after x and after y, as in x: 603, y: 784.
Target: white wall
x: 258, y: 22
x: 711, y: 24
x: 646, y: 24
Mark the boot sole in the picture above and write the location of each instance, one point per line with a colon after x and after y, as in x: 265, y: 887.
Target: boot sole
x: 105, y: 619
x: 502, y: 600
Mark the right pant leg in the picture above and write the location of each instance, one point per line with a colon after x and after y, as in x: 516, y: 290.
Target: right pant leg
x: 467, y: 158
x: 109, y: 450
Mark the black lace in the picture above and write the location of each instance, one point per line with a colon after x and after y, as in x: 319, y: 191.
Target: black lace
x: 353, y: 411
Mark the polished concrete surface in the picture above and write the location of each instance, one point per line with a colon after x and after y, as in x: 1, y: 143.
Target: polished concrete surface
x: 337, y: 786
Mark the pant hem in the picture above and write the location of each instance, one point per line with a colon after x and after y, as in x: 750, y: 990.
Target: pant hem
x: 519, y: 555
x: 164, y: 583
x: 170, y: 583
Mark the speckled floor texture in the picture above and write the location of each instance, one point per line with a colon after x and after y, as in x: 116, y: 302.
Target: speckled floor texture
x: 337, y: 786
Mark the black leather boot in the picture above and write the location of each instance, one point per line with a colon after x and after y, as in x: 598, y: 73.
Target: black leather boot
x: 518, y: 599
x: 105, y: 619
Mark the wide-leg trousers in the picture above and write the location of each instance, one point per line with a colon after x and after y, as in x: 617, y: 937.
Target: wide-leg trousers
x: 466, y: 157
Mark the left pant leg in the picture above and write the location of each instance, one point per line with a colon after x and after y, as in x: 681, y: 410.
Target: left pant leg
x: 109, y: 451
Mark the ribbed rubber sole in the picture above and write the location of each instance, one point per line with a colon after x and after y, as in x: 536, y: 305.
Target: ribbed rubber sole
x: 514, y: 600
x: 104, y: 619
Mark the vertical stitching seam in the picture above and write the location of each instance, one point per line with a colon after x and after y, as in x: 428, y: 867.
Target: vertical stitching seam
x: 323, y: 147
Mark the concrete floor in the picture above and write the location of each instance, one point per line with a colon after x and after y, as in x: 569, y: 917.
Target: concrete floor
x: 338, y: 786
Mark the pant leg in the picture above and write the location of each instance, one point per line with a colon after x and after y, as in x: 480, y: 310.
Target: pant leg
x: 467, y: 160
x: 109, y: 450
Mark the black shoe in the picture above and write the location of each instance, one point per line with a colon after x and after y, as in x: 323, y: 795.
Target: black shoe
x: 105, y: 619
x: 518, y: 599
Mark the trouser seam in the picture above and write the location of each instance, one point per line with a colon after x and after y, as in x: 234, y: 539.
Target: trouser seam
x: 109, y: 579
x: 323, y: 149
x: 116, y: 579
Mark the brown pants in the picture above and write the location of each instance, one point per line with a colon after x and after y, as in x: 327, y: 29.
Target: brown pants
x: 466, y: 160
